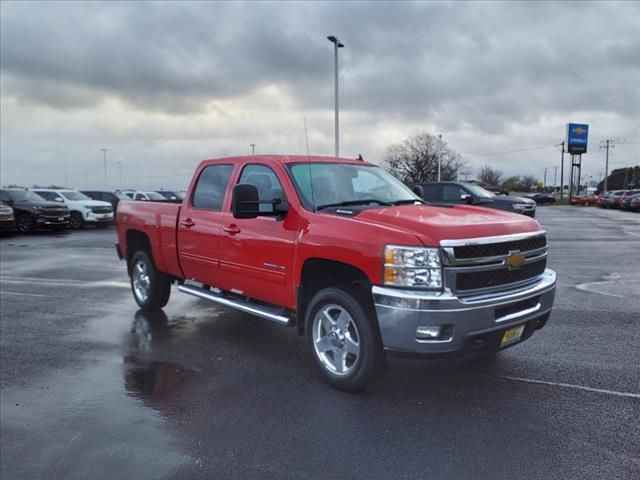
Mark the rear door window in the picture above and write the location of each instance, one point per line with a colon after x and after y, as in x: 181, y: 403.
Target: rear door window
x: 452, y: 194
x: 211, y: 187
x: 431, y: 193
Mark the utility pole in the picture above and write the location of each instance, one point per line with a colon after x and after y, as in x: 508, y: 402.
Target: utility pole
x: 253, y: 148
x: 104, y: 157
x: 555, y: 176
x: 336, y: 45
x: 544, y: 183
x: 606, y: 144
x: 562, y: 172
x: 120, y: 172
x: 439, y: 155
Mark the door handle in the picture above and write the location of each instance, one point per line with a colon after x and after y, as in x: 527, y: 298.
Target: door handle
x: 231, y: 229
x: 188, y: 223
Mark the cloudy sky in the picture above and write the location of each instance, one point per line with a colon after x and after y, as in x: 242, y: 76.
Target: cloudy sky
x: 164, y: 85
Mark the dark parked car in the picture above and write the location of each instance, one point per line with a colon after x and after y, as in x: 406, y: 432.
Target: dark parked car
x: 470, y: 193
x: 32, y: 211
x: 542, y: 198
x: 7, y: 219
x: 113, y: 197
x: 634, y: 204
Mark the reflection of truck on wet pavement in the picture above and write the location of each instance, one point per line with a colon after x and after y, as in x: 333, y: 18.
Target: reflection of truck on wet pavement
x: 348, y: 255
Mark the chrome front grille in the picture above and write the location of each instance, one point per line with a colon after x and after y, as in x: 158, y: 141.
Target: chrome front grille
x: 490, y: 264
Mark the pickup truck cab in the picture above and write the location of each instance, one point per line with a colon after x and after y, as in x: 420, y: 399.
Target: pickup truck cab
x: 348, y: 255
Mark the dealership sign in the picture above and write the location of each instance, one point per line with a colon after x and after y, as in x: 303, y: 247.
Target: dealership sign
x: 577, y: 134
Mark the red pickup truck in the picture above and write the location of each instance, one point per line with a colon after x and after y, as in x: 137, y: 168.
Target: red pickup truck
x: 347, y: 254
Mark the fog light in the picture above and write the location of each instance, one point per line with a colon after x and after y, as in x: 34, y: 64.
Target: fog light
x: 428, y: 332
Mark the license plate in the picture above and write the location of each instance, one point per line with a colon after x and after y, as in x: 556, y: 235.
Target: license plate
x: 60, y: 219
x: 512, y: 335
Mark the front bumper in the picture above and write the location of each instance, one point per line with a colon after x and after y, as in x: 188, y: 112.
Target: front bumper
x: 52, y: 221
x: 470, y: 323
x: 91, y: 217
x: 7, y: 223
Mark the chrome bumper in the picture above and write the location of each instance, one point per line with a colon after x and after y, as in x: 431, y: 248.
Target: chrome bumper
x: 465, y: 320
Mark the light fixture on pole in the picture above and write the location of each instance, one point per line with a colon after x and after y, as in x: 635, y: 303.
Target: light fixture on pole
x: 336, y: 45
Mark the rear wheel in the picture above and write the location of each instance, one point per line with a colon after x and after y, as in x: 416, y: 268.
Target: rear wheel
x: 151, y: 288
x: 342, y: 338
x: 77, y: 222
x: 25, y: 223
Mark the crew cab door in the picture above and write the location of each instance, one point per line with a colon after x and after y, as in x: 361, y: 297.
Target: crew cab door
x: 256, y: 254
x: 199, y: 225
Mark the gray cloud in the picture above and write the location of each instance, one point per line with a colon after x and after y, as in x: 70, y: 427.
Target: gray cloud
x: 474, y: 68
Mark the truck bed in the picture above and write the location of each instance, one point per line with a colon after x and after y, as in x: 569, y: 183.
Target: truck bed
x: 159, y: 221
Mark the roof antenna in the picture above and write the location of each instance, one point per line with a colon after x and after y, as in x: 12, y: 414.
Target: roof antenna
x: 306, y: 137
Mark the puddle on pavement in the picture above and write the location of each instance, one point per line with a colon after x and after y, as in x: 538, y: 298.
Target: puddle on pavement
x: 104, y: 419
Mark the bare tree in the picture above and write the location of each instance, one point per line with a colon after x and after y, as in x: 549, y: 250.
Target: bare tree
x: 416, y: 159
x: 490, y: 176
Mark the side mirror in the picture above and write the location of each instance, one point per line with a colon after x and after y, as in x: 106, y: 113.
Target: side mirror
x: 465, y: 197
x: 58, y: 199
x: 244, y: 201
x: 418, y: 190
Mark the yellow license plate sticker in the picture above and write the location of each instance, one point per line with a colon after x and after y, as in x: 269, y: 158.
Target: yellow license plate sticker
x: 512, y: 335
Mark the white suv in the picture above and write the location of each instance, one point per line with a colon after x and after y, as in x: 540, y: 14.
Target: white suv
x: 83, y: 209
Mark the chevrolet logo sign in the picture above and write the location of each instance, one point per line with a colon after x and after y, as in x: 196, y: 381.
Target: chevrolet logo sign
x: 579, y: 131
x: 515, y: 260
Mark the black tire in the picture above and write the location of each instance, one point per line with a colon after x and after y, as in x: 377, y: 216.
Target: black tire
x: 159, y: 284
x: 77, y: 222
x: 369, y: 362
x: 25, y: 223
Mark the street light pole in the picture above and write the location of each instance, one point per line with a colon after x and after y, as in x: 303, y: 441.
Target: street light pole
x: 439, y: 155
x: 253, y: 148
x: 104, y: 157
x: 120, y: 172
x: 336, y: 45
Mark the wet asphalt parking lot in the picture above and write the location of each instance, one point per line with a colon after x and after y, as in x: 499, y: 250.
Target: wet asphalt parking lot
x: 92, y: 388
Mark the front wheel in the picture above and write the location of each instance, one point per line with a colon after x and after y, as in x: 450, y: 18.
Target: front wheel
x: 77, y: 222
x: 342, y: 337
x: 151, y: 288
x: 26, y: 223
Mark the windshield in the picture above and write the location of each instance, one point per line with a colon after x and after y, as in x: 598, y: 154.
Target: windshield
x: 336, y: 183
x: 168, y: 194
x: 479, y: 191
x: 73, y: 195
x: 121, y: 196
x: 24, y: 195
x: 155, y: 196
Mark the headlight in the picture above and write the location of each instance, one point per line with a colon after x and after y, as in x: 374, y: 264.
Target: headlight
x: 520, y: 206
x: 412, y: 267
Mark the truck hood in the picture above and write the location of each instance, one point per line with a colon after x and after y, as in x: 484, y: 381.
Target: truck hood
x: 506, y: 199
x: 431, y: 224
x: 88, y: 203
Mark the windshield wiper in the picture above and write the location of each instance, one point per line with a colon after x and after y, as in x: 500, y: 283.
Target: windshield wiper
x: 408, y: 201
x: 349, y: 203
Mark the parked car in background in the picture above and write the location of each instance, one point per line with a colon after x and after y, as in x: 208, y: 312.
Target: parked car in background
x: 625, y: 200
x: 473, y: 194
x: 148, y: 196
x: 111, y: 196
x: 634, y: 204
x: 83, y: 209
x: 585, y: 200
x: 7, y: 219
x: 31, y: 211
x: 542, y: 198
x: 606, y: 199
x: 170, y: 196
x: 616, y: 198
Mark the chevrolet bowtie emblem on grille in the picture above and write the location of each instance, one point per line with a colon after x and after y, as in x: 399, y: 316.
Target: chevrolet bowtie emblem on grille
x: 514, y: 260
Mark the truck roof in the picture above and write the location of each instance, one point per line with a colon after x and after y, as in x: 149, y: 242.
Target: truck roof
x: 287, y: 159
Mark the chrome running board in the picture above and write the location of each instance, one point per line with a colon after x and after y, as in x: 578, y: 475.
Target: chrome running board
x: 270, y: 313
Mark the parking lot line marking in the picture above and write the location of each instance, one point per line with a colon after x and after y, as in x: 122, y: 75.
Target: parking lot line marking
x: 586, y: 287
x: 569, y: 385
x: 23, y: 294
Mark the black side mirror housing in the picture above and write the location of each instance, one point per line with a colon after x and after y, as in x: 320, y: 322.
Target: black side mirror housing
x: 465, y: 197
x: 244, y: 201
